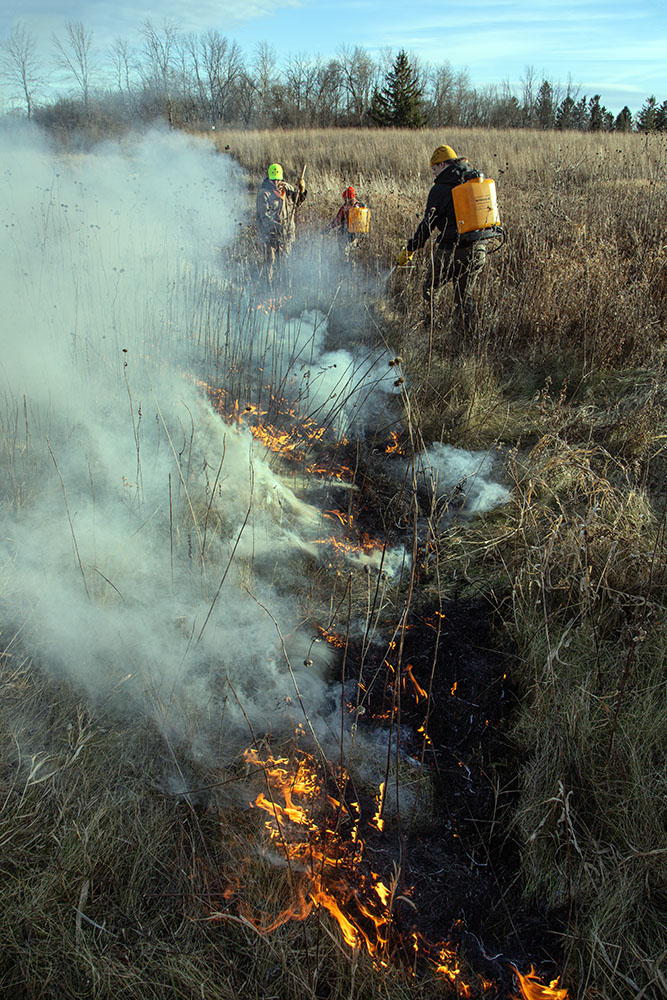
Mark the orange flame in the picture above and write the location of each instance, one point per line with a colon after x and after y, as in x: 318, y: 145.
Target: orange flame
x: 419, y: 690
x: 377, y: 818
x: 394, y: 448
x: 335, y: 879
x: 533, y: 989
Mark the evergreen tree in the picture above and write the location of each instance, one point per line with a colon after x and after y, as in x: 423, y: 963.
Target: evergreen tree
x: 399, y: 104
x: 565, y: 114
x: 623, y: 121
x: 545, y: 111
x: 581, y: 116
x: 596, y: 114
x: 647, y: 115
x: 661, y: 117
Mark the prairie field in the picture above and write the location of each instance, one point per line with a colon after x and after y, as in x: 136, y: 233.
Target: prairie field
x: 471, y: 672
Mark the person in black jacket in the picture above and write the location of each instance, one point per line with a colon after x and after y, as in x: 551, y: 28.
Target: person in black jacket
x: 453, y: 258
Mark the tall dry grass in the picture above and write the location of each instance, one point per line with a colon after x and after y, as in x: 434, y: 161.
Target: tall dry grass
x: 566, y: 376
x: 109, y: 871
x: 579, y: 289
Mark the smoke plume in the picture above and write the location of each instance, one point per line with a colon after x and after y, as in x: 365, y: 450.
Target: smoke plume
x: 141, y: 531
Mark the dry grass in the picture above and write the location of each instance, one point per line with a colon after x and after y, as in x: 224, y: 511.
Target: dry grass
x: 108, y: 877
x: 568, y: 374
x: 114, y: 884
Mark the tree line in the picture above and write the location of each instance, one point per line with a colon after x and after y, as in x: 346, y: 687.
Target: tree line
x: 206, y: 79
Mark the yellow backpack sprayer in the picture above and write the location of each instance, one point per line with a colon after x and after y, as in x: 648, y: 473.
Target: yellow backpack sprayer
x: 476, y: 210
x: 359, y: 220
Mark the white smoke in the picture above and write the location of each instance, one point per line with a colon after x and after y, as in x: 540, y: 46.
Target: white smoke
x: 142, y: 533
x: 465, y: 477
x: 338, y: 390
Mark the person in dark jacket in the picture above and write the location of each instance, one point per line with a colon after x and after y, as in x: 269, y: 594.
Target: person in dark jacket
x: 275, y: 208
x: 453, y: 258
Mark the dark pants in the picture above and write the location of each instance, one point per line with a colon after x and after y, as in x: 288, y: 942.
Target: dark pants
x: 462, y: 266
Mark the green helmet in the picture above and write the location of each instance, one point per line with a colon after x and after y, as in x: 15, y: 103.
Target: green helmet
x: 275, y: 172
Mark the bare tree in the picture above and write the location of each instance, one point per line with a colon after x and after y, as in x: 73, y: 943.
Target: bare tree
x: 265, y: 80
x: 124, y: 66
x: 159, y: 54
x: 218, y: 68
x: 74, y: 55
x: 360, y: 75
x: 447, y: 91
x: 18, y: 65
x: 300, y: 91
x: 528, y: 98
x: 330, y: 93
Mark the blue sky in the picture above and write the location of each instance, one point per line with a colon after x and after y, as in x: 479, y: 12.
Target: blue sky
x: 611, y: 47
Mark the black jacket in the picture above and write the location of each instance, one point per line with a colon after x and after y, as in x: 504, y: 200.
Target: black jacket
x: 439, y: 215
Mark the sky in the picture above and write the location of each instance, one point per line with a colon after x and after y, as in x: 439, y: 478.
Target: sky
x: 606, y: 47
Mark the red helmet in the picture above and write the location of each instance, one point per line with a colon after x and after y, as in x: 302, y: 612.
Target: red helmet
x: 350, y: 193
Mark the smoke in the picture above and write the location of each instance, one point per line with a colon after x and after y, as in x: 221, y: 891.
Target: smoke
x: 460, y: 476
x: 149, y: 550
x: 142, y: 534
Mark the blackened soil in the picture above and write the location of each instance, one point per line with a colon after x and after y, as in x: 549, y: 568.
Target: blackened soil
x: 461, y: 862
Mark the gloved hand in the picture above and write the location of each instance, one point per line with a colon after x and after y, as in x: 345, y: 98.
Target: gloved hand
x: 403, y: 258
x: 302, y: 185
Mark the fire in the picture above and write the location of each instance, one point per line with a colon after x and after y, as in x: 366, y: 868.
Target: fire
x: 271, y: 305
x: 394, y: 447
x: 418, y: 689
x: 362, y: 546
x: 377, y: 818
x: 286, y: 431
x: 533, y: 989
x: 319, y: 835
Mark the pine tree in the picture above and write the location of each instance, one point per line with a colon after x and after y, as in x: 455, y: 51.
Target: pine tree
x: 565, y: 115
x: 545, y: 110
x: 399, y: 104
x: 661, y: 117
x: 599, y: 118
x: 646, y: 117
x: 596, y: 114
x: 582, y: 118
x: 623, y: 121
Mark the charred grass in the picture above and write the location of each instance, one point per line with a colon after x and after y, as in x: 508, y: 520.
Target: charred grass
x: 565, y: 376
x: 115, y: 864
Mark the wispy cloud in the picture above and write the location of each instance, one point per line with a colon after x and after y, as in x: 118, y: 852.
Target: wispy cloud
x: 607, y: 42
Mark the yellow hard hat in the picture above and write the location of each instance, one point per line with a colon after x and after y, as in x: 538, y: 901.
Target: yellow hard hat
x: 275, y: 172
x: 442, y: 154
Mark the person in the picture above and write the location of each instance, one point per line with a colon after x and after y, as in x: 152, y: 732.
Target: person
x: 341, y: 222
x: 453, y: 258
x: 275, y: 209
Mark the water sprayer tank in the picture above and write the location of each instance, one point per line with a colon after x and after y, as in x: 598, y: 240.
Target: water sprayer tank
x: 358, y: 219
x: 475, y: 205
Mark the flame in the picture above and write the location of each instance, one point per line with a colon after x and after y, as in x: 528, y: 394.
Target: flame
x: 271, y: 305
x: 394, y: 448
x: 291, y: 437
x: 318, y: 833
x: 331, y: 637
x: 419, y: 690
x: 377, y: 818
x: 532, y: 989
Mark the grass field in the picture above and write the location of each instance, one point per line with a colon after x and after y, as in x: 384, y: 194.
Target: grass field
x: 121, y: 834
